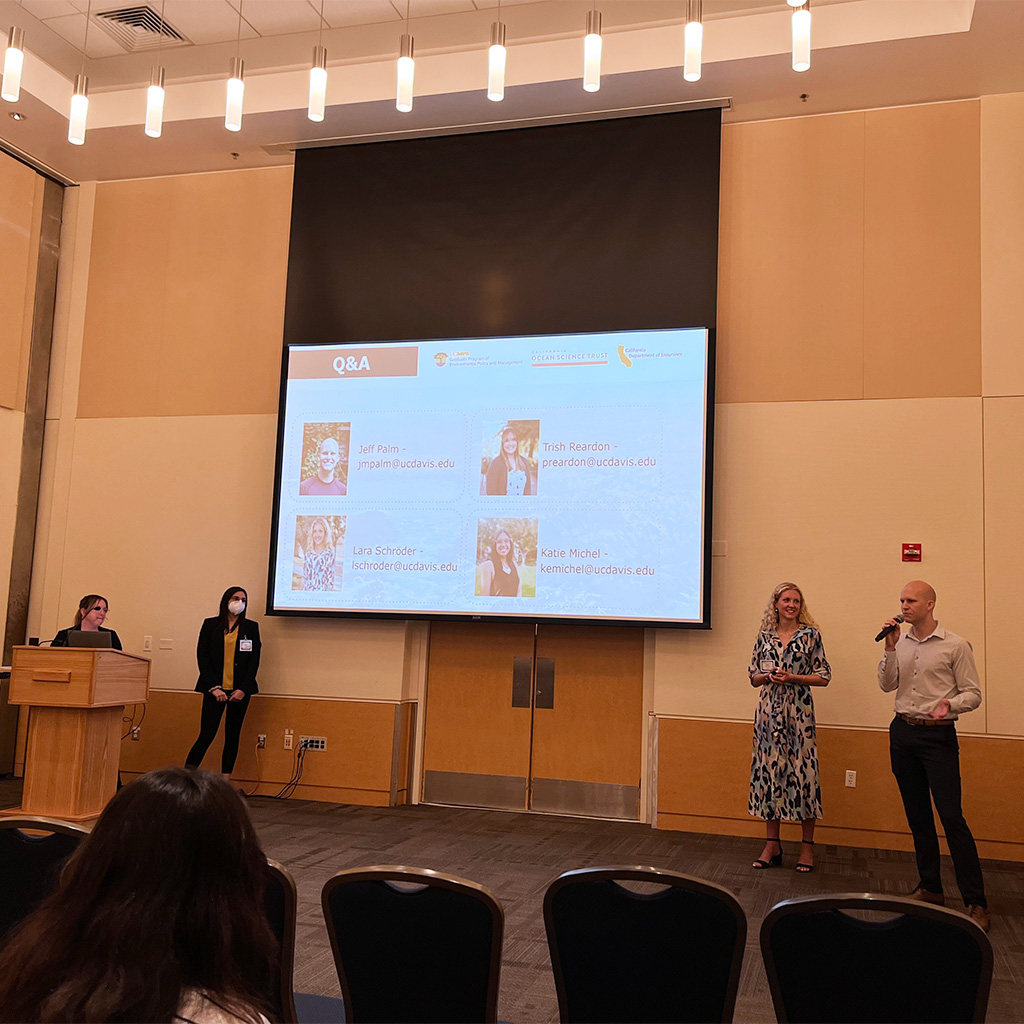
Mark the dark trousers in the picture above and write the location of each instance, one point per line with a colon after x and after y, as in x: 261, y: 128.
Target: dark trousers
x: 208, y: 725
x: 926, y: 762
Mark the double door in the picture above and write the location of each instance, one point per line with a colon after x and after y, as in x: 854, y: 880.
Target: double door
x: 543, y: 718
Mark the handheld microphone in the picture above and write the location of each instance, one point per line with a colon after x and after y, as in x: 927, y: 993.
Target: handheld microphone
x: 888, y: 629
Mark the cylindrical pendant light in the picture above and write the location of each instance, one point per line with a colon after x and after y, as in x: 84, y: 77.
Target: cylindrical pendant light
x: 592, y: 44
x: 496, y: 57
x: 155, y: 104
x: 79, y: 111
x: 693, y: 40
x: 14, y: 62
x: 235, y: 96
x: 406, y: 74
x: 802, y: 37
x: 318, y: 84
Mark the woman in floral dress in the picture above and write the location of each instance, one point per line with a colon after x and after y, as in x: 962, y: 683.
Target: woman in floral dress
x: 788, y: 659
x: 318, y: 558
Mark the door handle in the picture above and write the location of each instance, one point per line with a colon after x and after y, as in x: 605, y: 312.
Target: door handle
x: 522, y: 670
x: 545, y: 682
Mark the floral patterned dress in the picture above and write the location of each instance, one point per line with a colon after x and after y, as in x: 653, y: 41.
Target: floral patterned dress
x: 318, y: 570
x: 784, y: 771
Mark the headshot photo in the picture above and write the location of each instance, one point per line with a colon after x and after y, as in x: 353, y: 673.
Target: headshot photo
x: 509, y: 462
x: 324, y: 469
x: 319, y: 552
x: 506, y: 558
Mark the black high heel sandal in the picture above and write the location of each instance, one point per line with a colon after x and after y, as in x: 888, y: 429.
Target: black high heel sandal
x: 771, y: 862
x: 805, y: 869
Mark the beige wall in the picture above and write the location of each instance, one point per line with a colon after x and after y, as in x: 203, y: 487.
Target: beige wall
x: 870, y: 389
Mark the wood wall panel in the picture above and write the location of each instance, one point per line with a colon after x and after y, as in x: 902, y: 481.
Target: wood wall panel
x: 1004, y: 562
x: 19, y: 233
x: 360, y: 738
x: 186, y: 295
x: 704, y: 779
x: 1002, y: 244
x: 791, y: 263
x: 922, y: 251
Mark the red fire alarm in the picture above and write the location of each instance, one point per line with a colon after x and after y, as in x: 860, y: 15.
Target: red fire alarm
x: 911, y: 552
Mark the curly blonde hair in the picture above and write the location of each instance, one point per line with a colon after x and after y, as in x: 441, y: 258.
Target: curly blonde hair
x: 328, y: 534
x: 770, y: 619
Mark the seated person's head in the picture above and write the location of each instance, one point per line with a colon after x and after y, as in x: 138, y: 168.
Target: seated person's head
x: 163, y: 900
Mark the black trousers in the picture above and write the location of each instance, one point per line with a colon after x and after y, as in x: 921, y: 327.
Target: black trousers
x: 213, y: 709
x: 926, y: 762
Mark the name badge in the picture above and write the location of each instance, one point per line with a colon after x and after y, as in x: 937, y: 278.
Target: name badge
x: 245, y: 645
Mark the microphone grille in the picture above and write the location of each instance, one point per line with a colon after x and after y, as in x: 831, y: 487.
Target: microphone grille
x: 899, y: 618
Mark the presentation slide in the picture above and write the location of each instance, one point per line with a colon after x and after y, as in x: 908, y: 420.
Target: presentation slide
x: 540, y: 478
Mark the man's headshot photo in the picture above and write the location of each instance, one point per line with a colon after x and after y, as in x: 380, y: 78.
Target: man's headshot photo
x: 324, y: 459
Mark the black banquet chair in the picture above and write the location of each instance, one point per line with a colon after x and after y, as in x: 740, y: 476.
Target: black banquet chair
x: 32, y: 853
x: 287, y: 1005
x: 622, y: 955
x: 411, y: 944
x: 898, y: 961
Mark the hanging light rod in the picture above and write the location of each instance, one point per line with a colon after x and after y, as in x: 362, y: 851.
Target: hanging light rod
x: 156, y: 92
x: 14, y: 62
x: 802, y: 36
x: 693, y: 40
x: 318, y: 76
x: 78, y: 117
x: 592, y: 46
x: 497, y: 55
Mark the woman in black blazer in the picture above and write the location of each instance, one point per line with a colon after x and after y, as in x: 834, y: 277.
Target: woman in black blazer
x: 226, y: 682
x: 91, y: 614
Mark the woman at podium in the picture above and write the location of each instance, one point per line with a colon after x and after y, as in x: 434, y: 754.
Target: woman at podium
x: 228, y: 653
x: 92, y: 611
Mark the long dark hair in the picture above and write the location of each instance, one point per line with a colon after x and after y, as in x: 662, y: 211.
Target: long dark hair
x: 162, y: 900
x: 222, y: 615
x: 496, y: 558
x: 87, y: 604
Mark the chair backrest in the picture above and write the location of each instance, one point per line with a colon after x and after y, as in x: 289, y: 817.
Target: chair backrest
x: 411, y: 944
x: 281, y: 907
x: 622, y: 955
x: 32, y: 852
x: 923, y: 964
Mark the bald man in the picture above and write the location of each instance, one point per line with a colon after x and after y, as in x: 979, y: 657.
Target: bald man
x: 933, y: 673
x: 323, y: 481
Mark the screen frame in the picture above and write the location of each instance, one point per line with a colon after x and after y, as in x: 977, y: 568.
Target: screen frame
x: 435, y: 616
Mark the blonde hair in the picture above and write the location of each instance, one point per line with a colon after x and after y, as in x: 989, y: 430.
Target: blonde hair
x: 770, y: 619
x: 328, y: 534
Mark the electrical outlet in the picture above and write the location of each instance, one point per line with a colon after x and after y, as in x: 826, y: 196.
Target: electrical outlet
x: 166, y: 643
x: 137, y: 733
x: 287, y: 739
x: 147, y: 643
x: 851, y: 779
x: 261, y: 741
x: 312, y: 743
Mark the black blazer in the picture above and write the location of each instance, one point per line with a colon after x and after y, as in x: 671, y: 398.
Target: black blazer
x: 210, y: 656
x: 61, y: 639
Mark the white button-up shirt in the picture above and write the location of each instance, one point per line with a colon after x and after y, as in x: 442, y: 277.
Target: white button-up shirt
x: 923, y: 672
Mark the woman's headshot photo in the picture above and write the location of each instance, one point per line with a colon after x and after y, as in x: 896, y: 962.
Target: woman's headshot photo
x: 506, y: 558
x: 319, y: 546
x: 324, y: 469
x: 509, y: 463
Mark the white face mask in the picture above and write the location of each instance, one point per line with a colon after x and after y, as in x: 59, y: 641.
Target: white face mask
x: 236, y: 607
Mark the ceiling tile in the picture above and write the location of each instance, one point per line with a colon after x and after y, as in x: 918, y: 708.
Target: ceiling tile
x: 347, y: 13
x: 208, y: 21
x: 281, y: 17
x: 72, y: 28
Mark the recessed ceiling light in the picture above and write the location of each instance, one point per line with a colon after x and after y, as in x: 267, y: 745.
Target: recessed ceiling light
x: 17, y: 115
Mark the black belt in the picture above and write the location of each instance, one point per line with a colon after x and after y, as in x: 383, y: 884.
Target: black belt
x: 910, y: 719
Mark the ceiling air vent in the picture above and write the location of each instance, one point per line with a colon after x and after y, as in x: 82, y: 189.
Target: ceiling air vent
x: 138, y: 28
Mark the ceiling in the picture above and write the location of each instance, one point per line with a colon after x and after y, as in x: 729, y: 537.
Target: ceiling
x: 867, y: 53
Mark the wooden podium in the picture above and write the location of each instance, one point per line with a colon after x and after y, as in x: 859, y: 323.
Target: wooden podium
x: 77, y: 697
